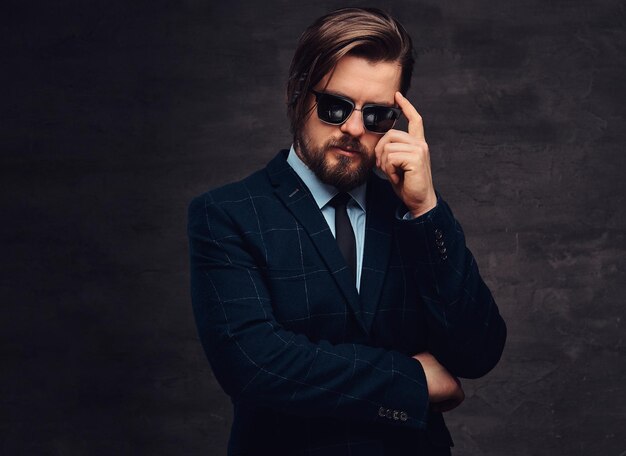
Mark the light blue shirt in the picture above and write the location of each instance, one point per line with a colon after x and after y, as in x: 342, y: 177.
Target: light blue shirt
x: 323, y: 193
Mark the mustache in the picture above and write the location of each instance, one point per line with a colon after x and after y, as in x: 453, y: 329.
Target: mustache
x: 348, y: 143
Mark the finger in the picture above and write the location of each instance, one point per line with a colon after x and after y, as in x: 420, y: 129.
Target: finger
x: 392, y: 172
x: 387, y: 168
x: 400, y: 159
x: 401, y: 139
x: 392, y: 147
x: 400, y: 136
x: 416, y: 126
x: 406, y: 161
x: 395, y: 164
x: 380, y: 146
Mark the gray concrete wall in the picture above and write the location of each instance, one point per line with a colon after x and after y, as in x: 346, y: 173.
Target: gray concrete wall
x: 114, y: 114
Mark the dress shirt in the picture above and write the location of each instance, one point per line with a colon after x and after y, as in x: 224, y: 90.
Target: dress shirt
x: 323, y: 193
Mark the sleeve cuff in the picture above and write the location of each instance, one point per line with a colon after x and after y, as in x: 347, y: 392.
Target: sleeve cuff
x: 432, y: 236
x: 404, y: 214
x: 406, y: 402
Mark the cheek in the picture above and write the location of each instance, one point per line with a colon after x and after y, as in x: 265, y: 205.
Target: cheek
x: 319, y: 132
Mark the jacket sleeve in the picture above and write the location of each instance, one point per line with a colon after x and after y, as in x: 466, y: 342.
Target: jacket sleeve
x: 465, y: 330
x: 257, y: 361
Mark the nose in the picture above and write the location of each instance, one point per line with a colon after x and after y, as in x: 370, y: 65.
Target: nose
x: 353, y: 126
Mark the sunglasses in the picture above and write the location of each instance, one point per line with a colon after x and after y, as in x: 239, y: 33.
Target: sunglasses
x: 335, y: 110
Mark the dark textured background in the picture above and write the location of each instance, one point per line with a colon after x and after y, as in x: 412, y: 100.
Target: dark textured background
x: 114, y: 114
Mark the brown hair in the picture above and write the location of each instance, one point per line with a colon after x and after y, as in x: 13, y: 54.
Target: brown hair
x: 365, y: 32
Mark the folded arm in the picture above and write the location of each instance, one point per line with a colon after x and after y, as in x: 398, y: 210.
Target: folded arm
x: 465, y: 330
x: 256, y: 360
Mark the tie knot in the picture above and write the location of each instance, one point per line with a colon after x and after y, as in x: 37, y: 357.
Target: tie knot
x: 340, y: 200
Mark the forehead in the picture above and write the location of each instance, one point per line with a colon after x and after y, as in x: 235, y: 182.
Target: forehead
x: 362, y: 80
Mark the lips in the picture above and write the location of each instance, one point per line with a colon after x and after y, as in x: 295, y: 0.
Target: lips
x: 346, y: 146
x: 346, y: 152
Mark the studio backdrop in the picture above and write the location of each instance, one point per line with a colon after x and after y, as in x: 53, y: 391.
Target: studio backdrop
x: 115, y: 114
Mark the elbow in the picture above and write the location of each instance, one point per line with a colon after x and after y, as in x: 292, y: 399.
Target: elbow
x: 483, y: 358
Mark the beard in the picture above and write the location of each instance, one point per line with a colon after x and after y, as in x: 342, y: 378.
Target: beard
x: 342, y: 175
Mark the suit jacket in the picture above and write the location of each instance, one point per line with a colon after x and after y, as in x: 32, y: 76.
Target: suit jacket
x: 311, y: 365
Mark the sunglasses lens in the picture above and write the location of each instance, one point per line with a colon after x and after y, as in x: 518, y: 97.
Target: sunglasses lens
x: 379, y: 119
x: 332, y: 109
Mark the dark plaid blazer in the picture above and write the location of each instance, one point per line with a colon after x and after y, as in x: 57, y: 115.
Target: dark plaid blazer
x: 312, y: 366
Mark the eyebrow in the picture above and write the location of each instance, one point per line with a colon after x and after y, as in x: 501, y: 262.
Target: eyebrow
x: 339, y: 94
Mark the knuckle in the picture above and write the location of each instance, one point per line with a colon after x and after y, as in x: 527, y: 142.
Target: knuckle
x: 389, y: 147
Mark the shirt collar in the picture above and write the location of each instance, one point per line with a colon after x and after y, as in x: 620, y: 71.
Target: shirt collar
x: 322, y: 193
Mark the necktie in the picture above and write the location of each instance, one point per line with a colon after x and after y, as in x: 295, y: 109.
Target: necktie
x: 343, y: 230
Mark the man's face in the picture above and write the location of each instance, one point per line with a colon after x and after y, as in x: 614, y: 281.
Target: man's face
x: 343, y: 155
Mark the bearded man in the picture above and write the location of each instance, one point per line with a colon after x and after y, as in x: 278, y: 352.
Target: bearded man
x: 333, y: 291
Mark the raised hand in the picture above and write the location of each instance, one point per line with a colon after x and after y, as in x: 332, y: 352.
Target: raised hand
x: 405, y: 159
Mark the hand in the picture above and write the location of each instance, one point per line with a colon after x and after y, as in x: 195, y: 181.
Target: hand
x: 444, y: 389
x: 404, y: 158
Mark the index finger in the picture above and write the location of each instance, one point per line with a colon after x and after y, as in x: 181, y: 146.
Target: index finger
x: 416, y: 126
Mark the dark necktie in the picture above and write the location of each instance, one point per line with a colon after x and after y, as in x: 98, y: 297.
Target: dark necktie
x: 343, y: 230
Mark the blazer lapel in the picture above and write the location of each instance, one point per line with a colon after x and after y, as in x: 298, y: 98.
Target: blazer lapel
x: 378, y: 241
x: 297, y: 198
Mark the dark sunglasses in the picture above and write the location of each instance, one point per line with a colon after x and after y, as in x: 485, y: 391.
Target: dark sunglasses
x: 335, y: 110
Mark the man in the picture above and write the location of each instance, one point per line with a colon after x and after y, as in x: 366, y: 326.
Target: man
x: 334, y: 295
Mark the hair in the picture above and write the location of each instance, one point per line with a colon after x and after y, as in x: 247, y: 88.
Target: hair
x: 364, y: 32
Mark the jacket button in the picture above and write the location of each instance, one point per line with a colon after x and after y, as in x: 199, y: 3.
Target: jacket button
x: 396, y: 415
x: 403, y: 416
x: 438, y: 234
x: 389, y: 413
x: 442, y: 250
x: 381, y: 412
